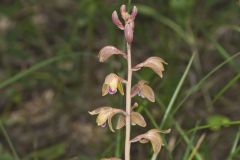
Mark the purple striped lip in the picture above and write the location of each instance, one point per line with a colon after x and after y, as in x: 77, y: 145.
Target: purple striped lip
x: 112, y: 91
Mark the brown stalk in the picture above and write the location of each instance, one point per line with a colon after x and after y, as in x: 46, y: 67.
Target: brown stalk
x: 128, y: 104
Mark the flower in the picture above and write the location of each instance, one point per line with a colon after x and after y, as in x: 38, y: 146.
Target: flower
x: 129, y: 22
x: 105, y: 114
x: 136, y: 119
x: 116, y: 20
x: 143, y: 90
x: 155, y: 63
x: 111, y: 84
x: 107, y: 51
x: 152, y: 136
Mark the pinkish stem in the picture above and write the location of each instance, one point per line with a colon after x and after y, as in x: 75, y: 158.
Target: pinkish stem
x: 128, y: 104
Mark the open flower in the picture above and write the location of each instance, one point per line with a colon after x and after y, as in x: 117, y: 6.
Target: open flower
x: 152, y: 136
x: 155, y: 63
x: 136, y: 119
x: 143, y: 90
x: 107, y: 51
x: 111, y: 84
x: 105, y: 114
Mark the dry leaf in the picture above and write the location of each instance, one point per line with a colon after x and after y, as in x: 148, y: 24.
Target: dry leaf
x: 155, y: 63
x: 107, y: 51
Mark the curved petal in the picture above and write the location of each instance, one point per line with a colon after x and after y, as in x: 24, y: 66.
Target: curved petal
x: 121, y: 122
x: 134, y: 12
x: 105, y: 89
x: 116, y: 20
x: 137, y: 118
x: 115, y: 111
x: 147, y: 92
x: 120, y: 88
x: 155, y: 63
x: 98, y: 110
x: 137, y: 87
x: 144, y: 140
x: 103, y: 117
x: 137, y: 138
x: 156, y: 141
x: 135, y: 90
x: 152, y: 136
x: 107, y: 51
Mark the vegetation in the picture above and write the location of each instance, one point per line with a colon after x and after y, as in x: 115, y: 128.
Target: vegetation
x: 50, y: 76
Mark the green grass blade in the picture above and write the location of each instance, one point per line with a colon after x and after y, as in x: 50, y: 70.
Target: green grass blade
x: 226, y: 87
x: 225, y: 55
x: 34, y: 68
x: 231, y: 123
x: 149, y: 11
x: 234, y: 147
x: 187, y: 140
x: 203, y: 80
x: 175, y: 94
x: 14, y: 152
x: 197, y: 146
x: 118, y: 144
x: 187, y: 152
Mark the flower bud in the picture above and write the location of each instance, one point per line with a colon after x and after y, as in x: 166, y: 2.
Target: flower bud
x: 128, y: 32
x: 134, y: 12
x: 116, y: 20
x: 123, y: 11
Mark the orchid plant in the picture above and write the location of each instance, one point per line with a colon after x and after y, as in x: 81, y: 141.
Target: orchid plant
x: 114, y: 83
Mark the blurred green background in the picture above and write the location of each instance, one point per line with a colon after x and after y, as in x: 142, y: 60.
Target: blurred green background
x: 50, y: 78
